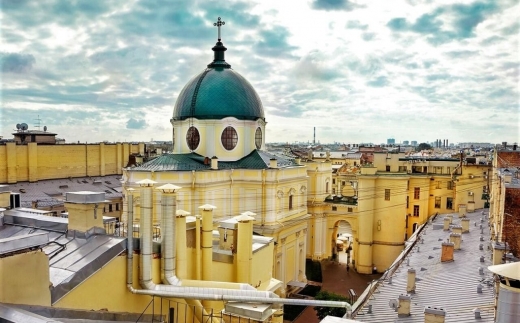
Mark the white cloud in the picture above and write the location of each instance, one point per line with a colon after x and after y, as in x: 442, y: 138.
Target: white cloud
x: 356, y: 70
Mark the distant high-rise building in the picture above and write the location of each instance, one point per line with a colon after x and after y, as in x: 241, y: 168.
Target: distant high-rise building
x: 406, y: 142
x: 414, y: 142
x: 390, y: 141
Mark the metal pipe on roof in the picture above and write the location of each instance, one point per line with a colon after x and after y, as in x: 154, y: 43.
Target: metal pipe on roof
x: 243, y: 294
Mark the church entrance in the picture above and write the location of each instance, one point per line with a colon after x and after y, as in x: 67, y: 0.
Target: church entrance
x: 342, y: 242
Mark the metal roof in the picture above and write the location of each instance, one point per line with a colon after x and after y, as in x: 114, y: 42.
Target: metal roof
x: 72, y: 259
x: 257, y: 159
x: 52, y: 192
x: 448, y: 285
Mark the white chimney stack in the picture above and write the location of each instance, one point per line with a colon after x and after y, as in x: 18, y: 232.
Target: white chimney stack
x: 214, y: 162
x: 410, y: 283
x: 273, y: 163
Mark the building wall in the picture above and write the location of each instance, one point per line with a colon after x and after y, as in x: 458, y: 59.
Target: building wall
x: 32, y: 162
x: 24, y: 279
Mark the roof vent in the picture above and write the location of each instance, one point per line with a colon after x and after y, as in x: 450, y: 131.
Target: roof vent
x: 477, y: 313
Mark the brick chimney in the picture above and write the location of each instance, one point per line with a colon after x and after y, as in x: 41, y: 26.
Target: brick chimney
x: 434, y: 315
x: 465, y: 225
x: 447, y: 252
x: 404, y: 306
x: 85, y: 210
x: 410, y: 281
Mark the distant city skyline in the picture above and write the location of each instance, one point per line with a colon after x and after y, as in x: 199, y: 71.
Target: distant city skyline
x: 358, y: 71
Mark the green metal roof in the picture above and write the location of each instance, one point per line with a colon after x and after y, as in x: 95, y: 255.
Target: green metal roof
x: 218, y: 92
x: 257, y: 159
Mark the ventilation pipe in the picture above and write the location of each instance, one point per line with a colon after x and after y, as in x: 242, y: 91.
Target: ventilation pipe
x: 197, y: 247
x: 404, y: 306
x: 130, y: 236
x: 192, y: 295
x: 182, y: 250
x: 207, y: 240
x: 410, y: 282
x: 244, y: 246
x: 145, y: 234
x: 168, y: 249
x: 434, y: 315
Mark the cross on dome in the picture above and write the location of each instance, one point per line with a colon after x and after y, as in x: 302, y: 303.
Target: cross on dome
x: 218, y: 24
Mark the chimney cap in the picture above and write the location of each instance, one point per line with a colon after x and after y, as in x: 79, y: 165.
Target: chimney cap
x: 207, y: 207
x: 146, y: 182
x: 245, y: 217
x: 85, y: 197
x: 181, y: 213
x: 405, y: 297
x: 169, y: 188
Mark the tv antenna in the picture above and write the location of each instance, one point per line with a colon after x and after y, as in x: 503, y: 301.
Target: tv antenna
x: 39, y: 122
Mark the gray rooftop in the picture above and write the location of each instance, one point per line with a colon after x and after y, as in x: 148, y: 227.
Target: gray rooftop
x: 72, y: 258
x: 52, y: 192
x: 448, y: 285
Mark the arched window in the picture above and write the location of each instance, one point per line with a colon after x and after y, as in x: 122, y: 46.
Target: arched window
x: 193, y: 138
x: 229, y: 138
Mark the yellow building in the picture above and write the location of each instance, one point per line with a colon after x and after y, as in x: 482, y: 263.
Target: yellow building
x: 382, y: 203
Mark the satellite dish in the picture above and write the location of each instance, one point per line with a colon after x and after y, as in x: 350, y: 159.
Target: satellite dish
x: 24, y: 126
x: 18, y: 126
x: 44, y: 128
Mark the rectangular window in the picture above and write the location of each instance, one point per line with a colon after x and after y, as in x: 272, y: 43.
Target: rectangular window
x: 416, y: 193
x: 402, y: 168
x: 333, y: 181
x: 449, y: 185
x: 387, y: 194
x: 342, y: 183
x: 117, y: 206
x: 416, y: 210
x: 290, y: 201
x: 349, y: 209
x: 387, y: 168
x: 448, y: 170
x: 327, y: 187
x: 334, y: 208
x: 438, y: 186
x: 449, y: 203
x: 110, y: 208
x: 407, y: 202
x: 333, y: 191
x: 437, y: 202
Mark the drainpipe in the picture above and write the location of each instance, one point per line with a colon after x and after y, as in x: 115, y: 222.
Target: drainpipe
x: 197, y: 247
x: 207, y: 240
x: 130, y: 236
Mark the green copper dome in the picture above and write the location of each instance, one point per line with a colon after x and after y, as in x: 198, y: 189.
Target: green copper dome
x: 218, y: 92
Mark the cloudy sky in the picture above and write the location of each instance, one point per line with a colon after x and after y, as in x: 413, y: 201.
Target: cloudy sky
x: 358, y: 71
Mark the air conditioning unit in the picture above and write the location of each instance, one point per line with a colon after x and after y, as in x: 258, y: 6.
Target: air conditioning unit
x: 470, y: 193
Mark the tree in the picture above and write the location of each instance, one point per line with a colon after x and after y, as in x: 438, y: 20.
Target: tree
x: 423, y: 146
x: 322, y: 312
